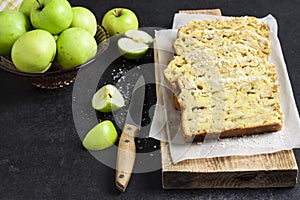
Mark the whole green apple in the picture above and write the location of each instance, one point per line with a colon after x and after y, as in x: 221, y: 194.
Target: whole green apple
x: 119, y: 20
x: 102, y: 136
x: 34, y: 51
x: 13, y: 24
x: 84, y: 18
x: 75, y: 46
x: 53, y: 16
x: 26, y: 6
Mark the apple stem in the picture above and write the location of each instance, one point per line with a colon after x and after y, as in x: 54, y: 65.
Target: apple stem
x: 118, y: 12
x: 40, y: 5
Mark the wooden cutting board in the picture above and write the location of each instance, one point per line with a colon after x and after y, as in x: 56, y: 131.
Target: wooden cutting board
x: 259, y: 171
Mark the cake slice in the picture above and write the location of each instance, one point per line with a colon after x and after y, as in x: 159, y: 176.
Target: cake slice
x: 222, y: 79
x: 248, y: 23
x: 229, y: 106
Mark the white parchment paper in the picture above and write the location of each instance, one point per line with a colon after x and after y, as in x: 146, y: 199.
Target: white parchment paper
x: 166, y: 121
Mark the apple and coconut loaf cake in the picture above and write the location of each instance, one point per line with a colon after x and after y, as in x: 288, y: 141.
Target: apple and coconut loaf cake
x: 222, y: 80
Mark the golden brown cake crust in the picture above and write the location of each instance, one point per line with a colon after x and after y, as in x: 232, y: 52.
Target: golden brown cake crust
x: 237, y: 132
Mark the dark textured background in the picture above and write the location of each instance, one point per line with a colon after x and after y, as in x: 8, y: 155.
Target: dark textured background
x: 41, y: 156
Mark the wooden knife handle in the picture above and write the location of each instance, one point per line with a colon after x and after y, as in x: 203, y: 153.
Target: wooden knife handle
x: 126, y: 156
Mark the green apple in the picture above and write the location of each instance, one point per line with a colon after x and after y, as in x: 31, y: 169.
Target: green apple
x: 102, y: 136
x: 34, y: 51
x: 53, y: 16
x: 135, y: 45
x: 13, y: 24
x: 55, y: 37
x: 131, y: 49
x: 75, y: 46
x: 26, y: 6
x: 119, y: 20
x: 108, y: 99
x: 84, y: 18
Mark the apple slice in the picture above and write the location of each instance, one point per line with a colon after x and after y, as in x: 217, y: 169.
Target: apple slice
x: 135, y: 45
x: 108, y: 99
x: 102, y: 136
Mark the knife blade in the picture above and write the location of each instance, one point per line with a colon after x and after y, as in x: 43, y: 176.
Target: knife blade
x: 127, y: 149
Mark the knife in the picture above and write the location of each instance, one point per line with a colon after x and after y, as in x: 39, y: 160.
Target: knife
x: 127, y: 149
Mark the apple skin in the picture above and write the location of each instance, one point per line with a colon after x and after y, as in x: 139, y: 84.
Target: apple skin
x: 75, y: 46
x: 53, y: 16
x: 26, y: 6
x: 111, y: 96
x: 138, y: 50
x: 34, y: 51
x: 102, y: 136
x: 119, y: 20
x: 13, y: 25
x: 84, y: 18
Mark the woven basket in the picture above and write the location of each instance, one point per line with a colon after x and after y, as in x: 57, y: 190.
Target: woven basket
x: 56, y: 77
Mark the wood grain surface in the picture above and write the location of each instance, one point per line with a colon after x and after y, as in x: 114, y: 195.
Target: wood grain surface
x: 258, y: 171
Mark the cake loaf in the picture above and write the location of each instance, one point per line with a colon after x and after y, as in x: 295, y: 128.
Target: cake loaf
x: 222, y: 78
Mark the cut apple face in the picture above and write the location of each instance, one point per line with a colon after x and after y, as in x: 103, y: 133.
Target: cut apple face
x: 108, y: 99
x: 135, y: 45
x: 132, y: 49
x: 139, y: 36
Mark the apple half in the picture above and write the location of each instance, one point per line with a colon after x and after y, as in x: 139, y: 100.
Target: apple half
x: 101, y: 136
x: 135, y: 44
x: 108, y: 99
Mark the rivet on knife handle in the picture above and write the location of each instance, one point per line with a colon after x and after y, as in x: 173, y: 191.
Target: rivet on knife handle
x: 126, y: 156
